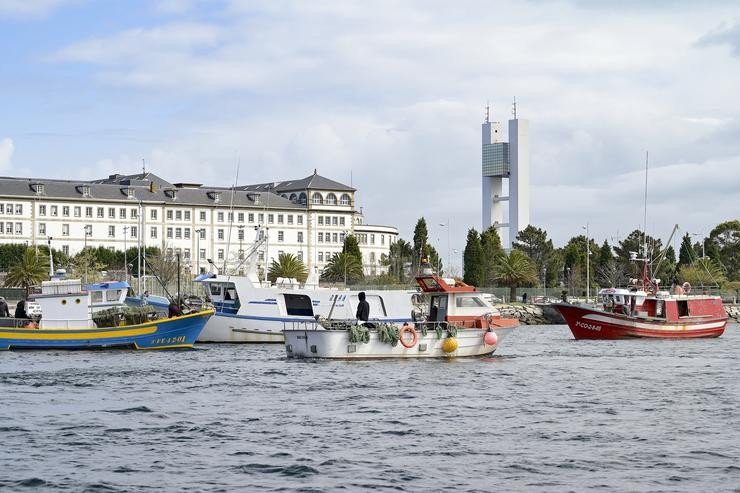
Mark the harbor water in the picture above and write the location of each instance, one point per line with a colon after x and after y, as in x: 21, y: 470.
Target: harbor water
x: 546, y: 413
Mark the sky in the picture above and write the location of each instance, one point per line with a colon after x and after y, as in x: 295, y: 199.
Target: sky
x: 389, y: 96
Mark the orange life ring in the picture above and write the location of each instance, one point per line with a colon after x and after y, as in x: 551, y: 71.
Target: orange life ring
x: 414, y: 337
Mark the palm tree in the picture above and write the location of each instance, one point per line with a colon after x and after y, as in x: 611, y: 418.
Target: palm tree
x: 30, y: 270
x: 288, y: 265
x: 704, y: 272
x: 343, y: 266
x: 515, y: 270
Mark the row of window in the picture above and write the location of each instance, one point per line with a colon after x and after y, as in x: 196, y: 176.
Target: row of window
x: 330, y: 238
x: 318, y: 199
x: 362, y: 239
x: 123, y: 212
x: 7, y: 228
x: 328, y: 256
x: 331, y: 220
x: 9, y: 208
x: 88, y: 229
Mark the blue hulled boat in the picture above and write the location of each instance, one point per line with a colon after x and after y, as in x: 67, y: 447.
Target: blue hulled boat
x: 69, y: 316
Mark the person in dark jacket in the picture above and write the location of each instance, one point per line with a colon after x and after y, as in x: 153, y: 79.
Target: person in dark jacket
x: 363, y: 308
x: 20, y: 310
x: 174, y: 309
x: 4, y: 311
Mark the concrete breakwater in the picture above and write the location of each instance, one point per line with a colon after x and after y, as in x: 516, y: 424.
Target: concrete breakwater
x: 546, y: 314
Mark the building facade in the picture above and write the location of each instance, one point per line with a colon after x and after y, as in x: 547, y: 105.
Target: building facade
x: 211, y: 227
x: 505, y: 161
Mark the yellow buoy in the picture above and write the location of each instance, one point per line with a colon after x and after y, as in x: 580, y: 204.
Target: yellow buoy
x: 449, y: 345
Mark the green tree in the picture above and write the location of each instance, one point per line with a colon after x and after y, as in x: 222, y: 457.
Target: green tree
x: 473, y: 259
x: 635, y: 243
x: 28, y: 270
x: 491, y: 248
x: 288, y: 265
x: 341, y: 265
x: 704, y: 273
x: 86, y: 266
x: 351, y: 247
x: 725, y: 239
x: 10, y: 254
x: 421, y: 242
x: 534, y: 243
x: 686, y: 254
x: 399, y: 258
x: 515, y: 270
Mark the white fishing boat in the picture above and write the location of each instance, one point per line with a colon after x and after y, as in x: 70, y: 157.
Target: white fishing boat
x: 458, y: 322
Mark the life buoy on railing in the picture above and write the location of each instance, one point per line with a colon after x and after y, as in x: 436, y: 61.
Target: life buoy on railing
x: 686, y: 287
x: 414, y: 336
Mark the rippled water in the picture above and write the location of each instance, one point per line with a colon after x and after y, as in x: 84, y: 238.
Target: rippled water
x: 546, y: 413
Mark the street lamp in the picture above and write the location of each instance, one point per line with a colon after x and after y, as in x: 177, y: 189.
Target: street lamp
x: 588, y: 255
x: 447, y: 225
x: 198, y: 232
x: 344, y: 255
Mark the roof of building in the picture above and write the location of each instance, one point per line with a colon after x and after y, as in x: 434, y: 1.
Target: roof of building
x: 149, y: 187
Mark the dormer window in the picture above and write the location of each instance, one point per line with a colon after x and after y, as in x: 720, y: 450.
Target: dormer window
x: 254, y: 197
x: 83, y: 190
x: 128, y: 192
x: 38, y: 188
x: 171, y: 193
x: 215, y: 196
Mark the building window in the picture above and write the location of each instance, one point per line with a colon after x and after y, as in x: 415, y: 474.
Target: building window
x: 341, y: 237
x: 280, y: 219
x: 101, y: 212
x: 85, y: 190
x: 88, y: 212
x: 261, y: 256
x: 169, y: 233
x: 382, y: 239
x: 65, y: 249
x: 281, y: 236
x: 344, y: 199
x: 300, y: 219
x: 42, y: 228
x: 202, y: 233
x: 42, y: 210
x: 19, y: 209
x: 186, y: 215
x: 65, y: 229
x: 270, y: 218
x: 220, y: 217
x: 250, y: 217
x: 122, y: 213
x: 9, y: 228
x: 202, y: 254
x: 331, y: 199
x: 186, y: 232
x: 178, y: 215
x: 54, y: 210
x: 231, y: 217
x: 261, y: 218
x: 186, y: 253
x: 321, y: 256
x: 316, y: 199
x: 241, y: 234
x: 321, y: 238
x: 153, y: 214
x: 169, y: 215
x: 321, y: 220
x: 241, y: 217
x: 300, y: 237
x: 335, y: 237
x: 202, y: 215
x: 335, y: 220
x: 372, y: 239
x: 220, y: 234
x: 327, y: 220
x: 134, y: 231
x: 111, y: 212
x: 220, y: 254
x: 78, y: 211
x: 134, y: 214
x: 178, y: 233
x: 290, y: 218
x: 302, y: 199
x: 111, y: 231
x: 153, y: 232
x: 65, y: 210
x: 341, y: 221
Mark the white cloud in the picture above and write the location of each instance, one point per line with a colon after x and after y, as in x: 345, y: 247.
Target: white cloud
x: 6, y: 153
x: 29, y: 8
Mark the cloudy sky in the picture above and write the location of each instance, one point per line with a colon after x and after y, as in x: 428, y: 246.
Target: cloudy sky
x: 389, y: 95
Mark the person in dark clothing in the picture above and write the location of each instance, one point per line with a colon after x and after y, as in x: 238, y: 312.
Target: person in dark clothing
x: 174, y: 309
x: 363, y: 308
x: 4, y: 311
x: 524, y: 298
x: 20, y: 310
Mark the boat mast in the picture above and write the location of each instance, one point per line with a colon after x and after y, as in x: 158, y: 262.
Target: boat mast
x: 644, y: 226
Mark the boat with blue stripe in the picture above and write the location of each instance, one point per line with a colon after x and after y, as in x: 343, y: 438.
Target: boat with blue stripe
x: 71, y: 316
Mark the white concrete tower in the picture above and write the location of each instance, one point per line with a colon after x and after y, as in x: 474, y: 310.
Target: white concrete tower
x: 510, y: 161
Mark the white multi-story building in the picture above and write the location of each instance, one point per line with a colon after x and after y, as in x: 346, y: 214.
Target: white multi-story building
x: 309, y: 218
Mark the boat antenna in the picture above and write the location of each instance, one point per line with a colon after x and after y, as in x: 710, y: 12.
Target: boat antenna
x: 231, y: 212
x: 644, y: 220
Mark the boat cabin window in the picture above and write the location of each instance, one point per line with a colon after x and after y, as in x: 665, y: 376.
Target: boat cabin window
x: 230, y: 293
x: 112, y: 294
x: 683, y: 308
x: 468, y: 302
x: 438, y: 308
x: 215, y: 289
x: 96, y: 296
x: 377, y: 305
x: 298, y: 305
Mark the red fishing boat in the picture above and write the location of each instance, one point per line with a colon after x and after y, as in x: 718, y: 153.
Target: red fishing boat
x: 647, y: 312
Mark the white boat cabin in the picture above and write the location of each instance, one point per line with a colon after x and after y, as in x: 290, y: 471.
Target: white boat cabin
x: 65, y: 304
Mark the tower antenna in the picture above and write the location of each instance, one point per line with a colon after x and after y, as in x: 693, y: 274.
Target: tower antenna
x: 513, y: 108
x: 488, y: 107
x: 143, y: 167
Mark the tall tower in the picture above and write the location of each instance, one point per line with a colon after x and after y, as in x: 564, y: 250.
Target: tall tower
x: 505, y: 161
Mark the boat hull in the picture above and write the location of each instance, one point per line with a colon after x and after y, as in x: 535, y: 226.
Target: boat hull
x: 586, y: 323
x: 177, y: 332
x: 335, y: 344
x: 234, y: 328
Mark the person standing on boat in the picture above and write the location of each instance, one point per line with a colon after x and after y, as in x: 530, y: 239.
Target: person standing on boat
x: 20, y: 310
x: 174, y: 309
x: 363, y: 308
x: 4, y: 312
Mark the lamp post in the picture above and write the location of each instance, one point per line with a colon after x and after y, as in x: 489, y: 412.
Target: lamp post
x: 344, y: 258
x: 88, y: 232
x: 198, y: 232
x: 125, y: 253
x: 588, y: 258
x: 447, y: 225
x: 544, y: 280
